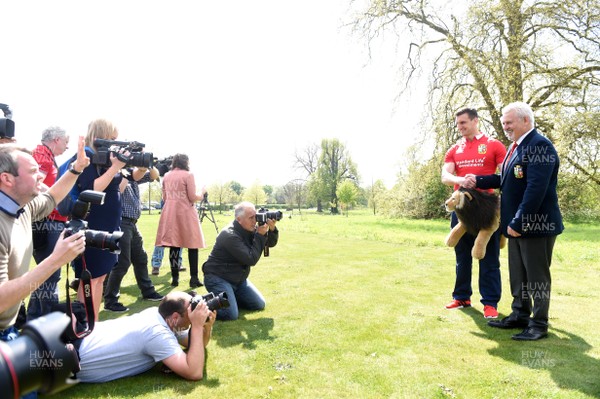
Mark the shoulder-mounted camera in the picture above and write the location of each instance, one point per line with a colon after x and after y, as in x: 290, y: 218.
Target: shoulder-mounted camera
x: 163, y: 165
x: 136, y: 155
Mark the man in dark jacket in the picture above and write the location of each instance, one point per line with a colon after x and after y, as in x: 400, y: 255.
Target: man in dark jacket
x: 530, y: 218
x: 238, y: 247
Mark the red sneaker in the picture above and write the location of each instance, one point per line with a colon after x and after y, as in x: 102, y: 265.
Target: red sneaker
x: 490, y: 312
x: 459, y: 304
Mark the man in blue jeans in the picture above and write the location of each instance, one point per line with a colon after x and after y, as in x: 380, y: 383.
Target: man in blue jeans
x: 474, y: 153
x: 238, y: 247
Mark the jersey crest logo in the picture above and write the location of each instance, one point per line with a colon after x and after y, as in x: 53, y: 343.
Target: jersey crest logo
x: 482, y: 149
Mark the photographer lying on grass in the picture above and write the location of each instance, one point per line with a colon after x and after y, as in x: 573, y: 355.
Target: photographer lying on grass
x: 133, y: 344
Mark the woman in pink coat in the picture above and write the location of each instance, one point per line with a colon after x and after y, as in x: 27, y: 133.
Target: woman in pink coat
x: 179, y: 226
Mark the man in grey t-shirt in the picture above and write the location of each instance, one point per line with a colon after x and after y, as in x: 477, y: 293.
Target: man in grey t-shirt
x: 133, y: 344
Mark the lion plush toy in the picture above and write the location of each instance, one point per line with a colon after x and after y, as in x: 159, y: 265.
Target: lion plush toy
x: 478, y: 214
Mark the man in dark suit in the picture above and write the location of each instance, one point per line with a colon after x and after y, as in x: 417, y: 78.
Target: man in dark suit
x: 530, y: 218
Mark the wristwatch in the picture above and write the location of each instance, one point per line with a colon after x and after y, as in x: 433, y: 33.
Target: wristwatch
x: 72, y: 170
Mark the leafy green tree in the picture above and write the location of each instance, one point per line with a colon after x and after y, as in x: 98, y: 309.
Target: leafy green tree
x: 419, y: 192
x: 221, y: 193
x: 374, y: 194
x: 236, y: 187
x: 255, y: 194
x: 335, y: 165
x: 347, y: 194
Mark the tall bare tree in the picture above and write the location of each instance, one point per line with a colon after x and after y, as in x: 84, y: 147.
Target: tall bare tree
x: 295, y: 193
x: 543, y: 52
x: 307, y: 160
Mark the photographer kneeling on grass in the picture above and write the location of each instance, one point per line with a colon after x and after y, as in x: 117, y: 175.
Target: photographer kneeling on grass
x: 238, y: 247
x: 133, y: 344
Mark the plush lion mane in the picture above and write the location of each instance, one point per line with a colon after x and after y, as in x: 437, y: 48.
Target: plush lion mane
x: 477, y: 210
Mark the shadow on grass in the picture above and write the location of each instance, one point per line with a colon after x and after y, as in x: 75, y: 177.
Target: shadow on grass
x: 562, y: 354
x: 244, y: 332
x: 149, y: 384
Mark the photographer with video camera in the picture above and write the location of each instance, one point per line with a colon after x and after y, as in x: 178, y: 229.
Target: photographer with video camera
x: 131, y: 244
x: 238, y: 247
x: 102, y: 217
x: 131, y: 345
x: 21, y: 202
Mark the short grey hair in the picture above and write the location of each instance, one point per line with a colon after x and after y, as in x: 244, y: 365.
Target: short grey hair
x: 51, y: 133
x: 523, y: 110
x: 240, y: 209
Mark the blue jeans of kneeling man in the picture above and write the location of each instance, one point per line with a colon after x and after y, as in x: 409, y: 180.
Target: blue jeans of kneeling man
x: 241, y: 296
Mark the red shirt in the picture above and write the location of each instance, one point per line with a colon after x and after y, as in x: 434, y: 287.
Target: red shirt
x: 45, y: 159
x: 480, y: 156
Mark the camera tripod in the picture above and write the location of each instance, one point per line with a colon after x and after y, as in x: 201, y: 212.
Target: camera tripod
x: 205, y: 206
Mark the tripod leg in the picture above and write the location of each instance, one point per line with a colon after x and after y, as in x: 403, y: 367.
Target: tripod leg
x: 212, y: 219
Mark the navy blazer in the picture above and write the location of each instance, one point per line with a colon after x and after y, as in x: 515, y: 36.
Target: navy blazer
x: 529, y: 202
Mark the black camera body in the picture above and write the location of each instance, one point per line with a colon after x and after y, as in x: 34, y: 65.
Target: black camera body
x: 263, y: 214
x: 214, y: 302
x: 39, y: 359
x: 136, y: 155
x: 7, y: 126
x: 93, y: 238
x: 163, y: 165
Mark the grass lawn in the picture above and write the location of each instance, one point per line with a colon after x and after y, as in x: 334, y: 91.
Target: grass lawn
x: 355, y: 309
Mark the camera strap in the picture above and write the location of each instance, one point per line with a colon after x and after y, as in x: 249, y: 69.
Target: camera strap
x: 84, y: 279
x: 266, y: 249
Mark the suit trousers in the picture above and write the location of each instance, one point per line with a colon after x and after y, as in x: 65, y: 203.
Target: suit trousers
x: 529, y: 262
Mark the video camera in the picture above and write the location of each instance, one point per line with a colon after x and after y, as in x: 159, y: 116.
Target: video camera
x: 263, y: 214
x: 93, y: 238
x: 7, y: 126
x: 39, y: 360
x: 136, y: 155
x: 163, y: 165
x: 214, y: 302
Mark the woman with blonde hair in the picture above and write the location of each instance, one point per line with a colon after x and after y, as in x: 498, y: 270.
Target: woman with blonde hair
x: 179, y: 226
x: 105, y: 217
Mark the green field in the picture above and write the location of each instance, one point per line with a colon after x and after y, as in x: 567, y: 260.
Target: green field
x: 355, y: 309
